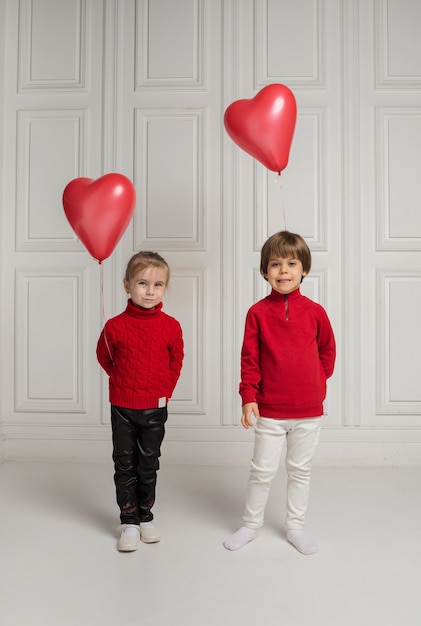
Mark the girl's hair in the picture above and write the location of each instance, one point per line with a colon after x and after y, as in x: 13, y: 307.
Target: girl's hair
x: 144, y: 259
x: 285, y: 245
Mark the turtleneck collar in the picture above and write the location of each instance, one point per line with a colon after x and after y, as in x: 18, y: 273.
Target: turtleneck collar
x: 138, y: 311
x: 280, y: 297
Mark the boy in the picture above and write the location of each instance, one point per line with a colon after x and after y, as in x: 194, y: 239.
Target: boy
x: 287, y: 356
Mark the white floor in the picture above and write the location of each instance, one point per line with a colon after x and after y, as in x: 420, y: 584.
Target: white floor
x: 59, y: 565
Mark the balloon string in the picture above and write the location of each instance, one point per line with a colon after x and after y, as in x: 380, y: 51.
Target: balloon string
x: 103, y: 309
x: 278, y: 180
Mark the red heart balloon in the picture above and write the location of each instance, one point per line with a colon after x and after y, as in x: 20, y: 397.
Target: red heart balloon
x: 264, y: 126
x: 99, y: 211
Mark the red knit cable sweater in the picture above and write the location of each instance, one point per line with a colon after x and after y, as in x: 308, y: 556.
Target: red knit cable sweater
x: 142, y: 352
x: 287, y: 355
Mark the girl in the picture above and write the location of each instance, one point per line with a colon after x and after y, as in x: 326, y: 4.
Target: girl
x: 142, y: 352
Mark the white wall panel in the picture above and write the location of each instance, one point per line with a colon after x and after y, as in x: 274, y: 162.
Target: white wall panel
x: 140, y: 87
x: 52, y: 42
x: 170, y: 53
x: 171, y: 144
x: 185, y: 301
x: 169, y: 172
x: 303, y: 184
x: 51, y: 151
x: 398, y: 44
x: 53, y: 115
x: 399, y: 339
x: 2, y: 157
x: 399, y: 181
x: 50, y: 341
x: 289, y: 42
x: 307, y: 196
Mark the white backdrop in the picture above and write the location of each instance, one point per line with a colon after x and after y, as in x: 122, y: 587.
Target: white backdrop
x: 140, y: 87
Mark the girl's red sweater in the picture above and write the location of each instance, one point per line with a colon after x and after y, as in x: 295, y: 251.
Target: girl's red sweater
x: 288, y: 354
x: 142, y: 352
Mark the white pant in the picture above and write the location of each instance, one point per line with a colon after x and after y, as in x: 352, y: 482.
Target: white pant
x: 301, y: 437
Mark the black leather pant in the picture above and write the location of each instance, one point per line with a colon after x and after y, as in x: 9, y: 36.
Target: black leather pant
x: 137, y: 438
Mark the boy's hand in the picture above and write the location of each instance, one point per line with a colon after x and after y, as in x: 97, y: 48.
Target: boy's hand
x: 249, y: 409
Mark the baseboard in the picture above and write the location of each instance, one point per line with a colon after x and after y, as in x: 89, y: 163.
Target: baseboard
x: 2, y: 448
x: 231, y: 446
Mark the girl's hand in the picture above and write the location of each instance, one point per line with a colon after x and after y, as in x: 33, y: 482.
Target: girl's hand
x: 249, y: 409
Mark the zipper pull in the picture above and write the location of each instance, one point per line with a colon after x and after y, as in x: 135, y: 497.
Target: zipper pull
x: 286, y: 307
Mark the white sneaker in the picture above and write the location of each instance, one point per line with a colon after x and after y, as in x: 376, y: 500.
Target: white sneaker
x: 149, y: 534
x: 129, y: 539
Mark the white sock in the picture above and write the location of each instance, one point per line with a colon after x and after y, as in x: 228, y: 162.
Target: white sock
x: 300, y: 541
x: 131, y: 531
x: 240, y: 538
x: 146, y: 525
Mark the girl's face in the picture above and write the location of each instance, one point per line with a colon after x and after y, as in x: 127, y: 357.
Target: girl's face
x: 147, y: 287
x: 284, y: 275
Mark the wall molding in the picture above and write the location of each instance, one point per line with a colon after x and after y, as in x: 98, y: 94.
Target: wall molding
x: 148, y: 177
x: 93, y: 109
x: 46, y: 281
x: 351, y: 219
x: 39, y: 131
x: 315, y: 76
x: 387, y: 119
x: 385, y: 281
x: 230, y: 318
x: 2, y: 445
x: 338, y: 447
x: 144, y: 54
x: 31, y: 42
x: 383, y: 34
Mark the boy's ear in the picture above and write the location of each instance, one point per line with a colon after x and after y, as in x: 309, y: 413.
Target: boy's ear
x: 126, y: 285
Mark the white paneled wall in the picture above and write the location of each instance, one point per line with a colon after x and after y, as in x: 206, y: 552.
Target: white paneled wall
x: 390, y: 109
x: 140, y: 87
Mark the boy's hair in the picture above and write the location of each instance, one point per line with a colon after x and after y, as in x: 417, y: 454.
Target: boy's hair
x: 285, y: 245
x: 144, y: 259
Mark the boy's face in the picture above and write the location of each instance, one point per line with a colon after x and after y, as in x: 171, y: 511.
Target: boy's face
x: 284, y: 275
x: 147, y: 287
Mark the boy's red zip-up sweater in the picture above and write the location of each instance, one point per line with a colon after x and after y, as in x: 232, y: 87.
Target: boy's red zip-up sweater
x: 142, y: 352
x: 288, y: 354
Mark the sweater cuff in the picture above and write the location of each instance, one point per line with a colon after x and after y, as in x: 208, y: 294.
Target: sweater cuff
x: 247, y: 397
